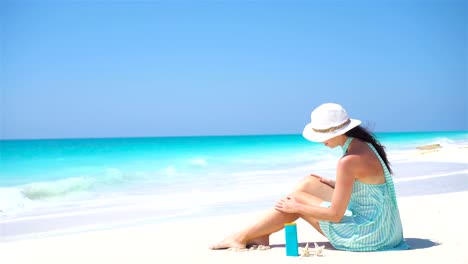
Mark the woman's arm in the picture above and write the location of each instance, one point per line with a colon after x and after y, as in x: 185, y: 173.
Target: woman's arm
x: 345, y: 177
x: 328, y: 182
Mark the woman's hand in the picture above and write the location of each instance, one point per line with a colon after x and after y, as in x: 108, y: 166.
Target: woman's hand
x: 287, y: 205
x: 326, y: 181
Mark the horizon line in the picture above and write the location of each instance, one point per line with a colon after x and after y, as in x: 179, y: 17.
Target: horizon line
x: 208, y: 135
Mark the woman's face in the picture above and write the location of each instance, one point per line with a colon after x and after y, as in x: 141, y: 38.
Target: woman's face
x: 332, y: 142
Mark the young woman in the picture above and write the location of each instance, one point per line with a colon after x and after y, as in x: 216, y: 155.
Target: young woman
x: 358, y: 212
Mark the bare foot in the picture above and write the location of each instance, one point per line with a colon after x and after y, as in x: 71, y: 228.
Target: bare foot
x: 264, y: 240
x: 232, y: 241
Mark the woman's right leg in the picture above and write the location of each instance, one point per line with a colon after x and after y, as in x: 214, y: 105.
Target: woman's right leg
x: 259, y: 232
x: 274, y: 220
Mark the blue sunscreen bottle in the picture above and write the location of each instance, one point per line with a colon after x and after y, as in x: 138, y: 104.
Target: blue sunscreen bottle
x: 292, y: 245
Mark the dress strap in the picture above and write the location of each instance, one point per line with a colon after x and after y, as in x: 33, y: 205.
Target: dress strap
x: 346, y: 145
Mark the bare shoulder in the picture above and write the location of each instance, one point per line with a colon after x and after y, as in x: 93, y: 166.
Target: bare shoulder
x: 362, y: 163
x: 347, y: 164
x: 346, y: 171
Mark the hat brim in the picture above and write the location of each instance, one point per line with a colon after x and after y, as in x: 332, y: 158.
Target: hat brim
x: 313, y: 136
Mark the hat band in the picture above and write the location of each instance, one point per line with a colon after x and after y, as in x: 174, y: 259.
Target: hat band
x: 331, y: 129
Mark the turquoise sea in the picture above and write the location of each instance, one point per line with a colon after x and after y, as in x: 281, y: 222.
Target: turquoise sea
x: 152, y: 179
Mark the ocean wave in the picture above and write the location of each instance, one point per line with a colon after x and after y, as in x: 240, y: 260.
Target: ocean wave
x: 41, y: 193
x: 73, y: 185
x: 443, y: 141
x: 45, y: 190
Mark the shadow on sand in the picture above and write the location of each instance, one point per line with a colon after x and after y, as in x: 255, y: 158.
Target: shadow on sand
x: 420, y: 243
x: 414, y: 243
x: 303, y: 244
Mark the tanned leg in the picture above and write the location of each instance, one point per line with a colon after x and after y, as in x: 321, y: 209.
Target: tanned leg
x: 309, y: 188
x: 259, y: 232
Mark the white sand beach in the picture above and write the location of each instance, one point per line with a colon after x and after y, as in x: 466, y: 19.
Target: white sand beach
x: 434, y: 226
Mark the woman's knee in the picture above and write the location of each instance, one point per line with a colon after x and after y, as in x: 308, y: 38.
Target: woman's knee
x: 307, y: 182
x: 300, y: 196
x: 313, y: 185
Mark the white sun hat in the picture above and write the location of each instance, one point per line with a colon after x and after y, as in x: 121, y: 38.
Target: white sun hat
x: 327, y: 121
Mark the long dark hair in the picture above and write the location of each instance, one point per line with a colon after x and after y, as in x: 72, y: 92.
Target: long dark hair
x: 364, y: 135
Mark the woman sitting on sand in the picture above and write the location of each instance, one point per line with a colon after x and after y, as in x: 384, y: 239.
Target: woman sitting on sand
x: 358, y: 212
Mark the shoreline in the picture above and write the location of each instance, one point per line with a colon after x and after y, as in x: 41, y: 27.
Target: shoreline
x: 411, y: 179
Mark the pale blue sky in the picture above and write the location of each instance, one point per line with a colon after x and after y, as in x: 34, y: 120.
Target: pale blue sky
x: 178, y: 68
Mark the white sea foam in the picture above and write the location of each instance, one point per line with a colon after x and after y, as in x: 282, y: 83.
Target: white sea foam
x: 170, y: 170
x: 11, y: 200
x: 259, y: 173
x: 425, y: 177
x: 199, y: 162
x: 45, y: 190
x: 443, y: 141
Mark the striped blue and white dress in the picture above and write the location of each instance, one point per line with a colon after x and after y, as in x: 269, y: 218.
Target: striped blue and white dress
x: 372, y: 221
